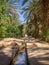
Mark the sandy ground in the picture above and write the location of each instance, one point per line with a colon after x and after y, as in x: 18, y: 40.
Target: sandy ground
x: 38, y: 56
x: 6, y: 54
x: 7, y: 51
x: 38, y: 51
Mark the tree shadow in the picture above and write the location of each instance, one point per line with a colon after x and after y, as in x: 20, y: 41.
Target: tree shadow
x: 4, y: 59
x: 34, y: 49
x: 2, y: 47
x: 35, y: 61
x: 39, y: 59
x: 7, y: 59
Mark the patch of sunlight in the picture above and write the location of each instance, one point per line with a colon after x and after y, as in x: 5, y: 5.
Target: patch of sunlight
x: 7, y: 51
x: 44, y: 62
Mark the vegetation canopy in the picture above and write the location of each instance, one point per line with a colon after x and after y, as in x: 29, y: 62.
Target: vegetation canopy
x: 35, y: 13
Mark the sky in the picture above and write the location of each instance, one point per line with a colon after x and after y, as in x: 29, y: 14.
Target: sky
x: 21, y: 15
x: 22, y: 20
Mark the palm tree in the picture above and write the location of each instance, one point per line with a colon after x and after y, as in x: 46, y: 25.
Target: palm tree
x: 32, y: 13
x: 24, y: 1
x: 12, y: 8
x: 42, y: 10
x: 45, y: 14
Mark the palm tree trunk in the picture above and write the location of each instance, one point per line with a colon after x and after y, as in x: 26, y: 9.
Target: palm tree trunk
x: 45, y: 16
x: 36, y: 26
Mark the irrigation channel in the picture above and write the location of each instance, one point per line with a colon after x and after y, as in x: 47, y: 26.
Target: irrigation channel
x: 21, y: 57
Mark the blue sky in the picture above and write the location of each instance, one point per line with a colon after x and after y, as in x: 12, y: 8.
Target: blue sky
x: 21, y: 16
x: 19, y: 11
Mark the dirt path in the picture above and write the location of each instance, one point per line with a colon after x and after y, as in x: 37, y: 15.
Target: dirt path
x: 6, y: 54
x: 38, y: 56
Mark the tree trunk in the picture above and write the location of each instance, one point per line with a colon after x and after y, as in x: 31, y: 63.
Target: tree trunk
x: 45, y: 14
x: 36, y: 26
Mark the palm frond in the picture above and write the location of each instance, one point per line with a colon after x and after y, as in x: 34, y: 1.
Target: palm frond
x: 27, y: 15
x: 12, y: 10
x: 24, y: 1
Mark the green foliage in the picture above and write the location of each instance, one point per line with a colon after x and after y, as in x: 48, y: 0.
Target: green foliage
x: 30, y: 30
x: 2, y: 32
x: 9, y: 24
x: 24, y: 29
x: 37, y: 11
x: 12, y: 31
x: 20, y: 27
x: 46, y: 34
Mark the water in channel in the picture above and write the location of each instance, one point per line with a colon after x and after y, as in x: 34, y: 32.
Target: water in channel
x: 21, y: 59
